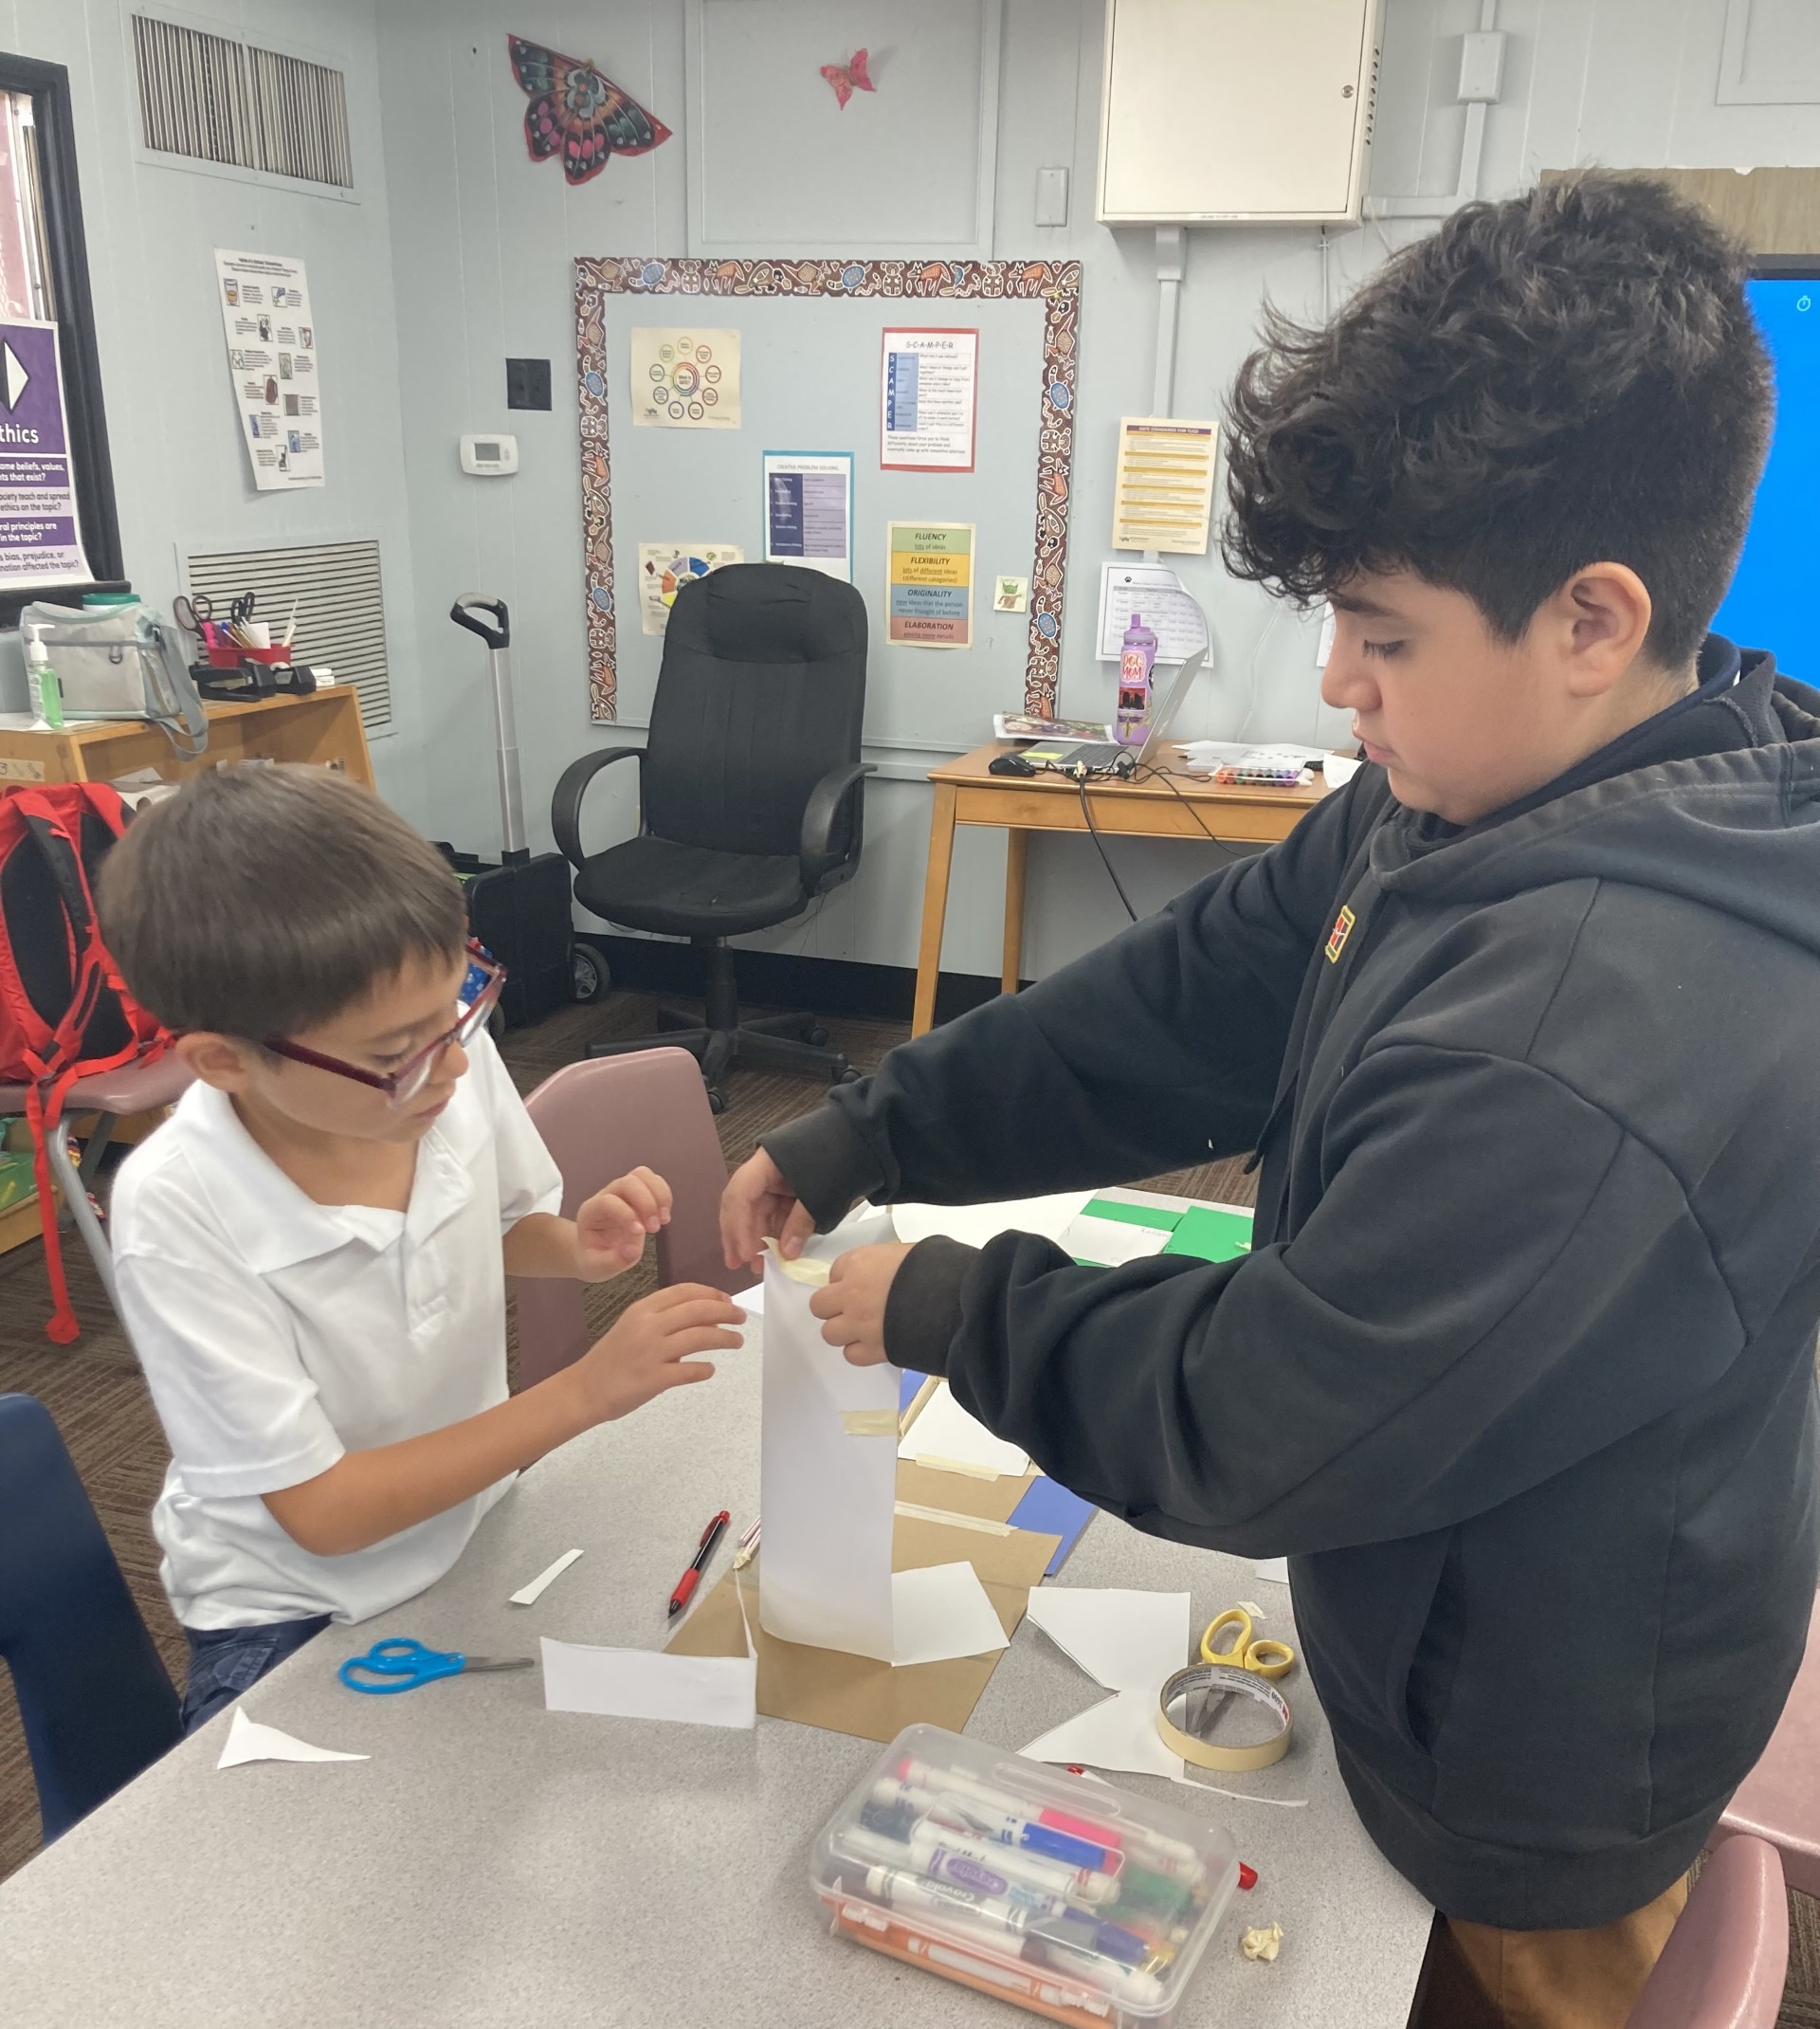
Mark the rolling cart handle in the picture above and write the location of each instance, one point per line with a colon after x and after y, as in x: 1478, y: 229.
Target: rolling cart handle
x: 497, y: 636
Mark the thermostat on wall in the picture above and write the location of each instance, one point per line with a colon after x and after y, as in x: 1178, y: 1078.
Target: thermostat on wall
x: 489, y: 456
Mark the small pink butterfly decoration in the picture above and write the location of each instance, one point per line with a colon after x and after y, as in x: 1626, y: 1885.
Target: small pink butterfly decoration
x: 577, y: 114
x: 850, y: 77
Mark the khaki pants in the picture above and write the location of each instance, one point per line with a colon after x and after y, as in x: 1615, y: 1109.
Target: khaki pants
x: 1481, y: 1978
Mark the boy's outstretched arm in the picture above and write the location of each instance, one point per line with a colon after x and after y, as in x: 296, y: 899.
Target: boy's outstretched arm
x: 1499, y: 1281
x: 1157, y: 1051
x: 366, y: 1497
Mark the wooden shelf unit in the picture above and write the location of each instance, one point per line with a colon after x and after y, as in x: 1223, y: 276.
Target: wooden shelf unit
x: 324, y: 727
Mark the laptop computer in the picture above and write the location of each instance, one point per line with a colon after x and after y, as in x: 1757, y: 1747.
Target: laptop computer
x: 1111, y: 756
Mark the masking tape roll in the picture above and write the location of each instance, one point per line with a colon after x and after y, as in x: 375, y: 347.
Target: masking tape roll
x: 812, y: 1274
x: 1200, y: 1680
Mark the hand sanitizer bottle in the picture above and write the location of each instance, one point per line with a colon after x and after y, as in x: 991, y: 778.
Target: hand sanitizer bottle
x: 40, y: 683
x: 1135, y: 664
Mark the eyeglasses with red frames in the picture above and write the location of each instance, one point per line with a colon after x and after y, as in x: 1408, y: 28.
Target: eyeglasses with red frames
x: 479, y: 996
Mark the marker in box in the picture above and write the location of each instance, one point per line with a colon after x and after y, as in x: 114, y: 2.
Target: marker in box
x: 1080, y: 1937
x: 967, y: 1883
x: 1000, y: 1826
x: 926, y: 1837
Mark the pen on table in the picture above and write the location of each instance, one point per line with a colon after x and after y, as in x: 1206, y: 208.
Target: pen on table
x: 748, y: 1545
x: 685, y: 1586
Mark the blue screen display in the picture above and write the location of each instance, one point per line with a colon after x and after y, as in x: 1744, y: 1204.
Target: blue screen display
x: 1771, y: 603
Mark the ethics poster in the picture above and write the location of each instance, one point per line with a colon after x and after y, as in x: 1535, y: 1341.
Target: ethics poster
x: 39, y: 542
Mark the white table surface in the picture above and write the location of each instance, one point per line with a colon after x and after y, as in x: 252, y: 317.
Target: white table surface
x: 495, y: 1864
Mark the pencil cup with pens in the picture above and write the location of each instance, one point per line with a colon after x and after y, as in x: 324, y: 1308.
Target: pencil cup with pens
x: 241, y: 661
x: 1071, y: 1898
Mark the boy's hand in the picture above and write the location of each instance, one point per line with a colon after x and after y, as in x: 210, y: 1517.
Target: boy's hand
x: 758, y: 1205
x: 647, y: 1350
x: 853, y: 1305
x: 610, y: 1227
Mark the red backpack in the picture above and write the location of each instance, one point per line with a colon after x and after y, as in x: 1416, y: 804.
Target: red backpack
x: 64, y: 1011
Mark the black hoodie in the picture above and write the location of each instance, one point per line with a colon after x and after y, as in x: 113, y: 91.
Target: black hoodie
x: 1520, y: 1370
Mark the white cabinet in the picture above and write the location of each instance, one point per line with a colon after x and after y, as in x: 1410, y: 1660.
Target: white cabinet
x: 1224, y: 110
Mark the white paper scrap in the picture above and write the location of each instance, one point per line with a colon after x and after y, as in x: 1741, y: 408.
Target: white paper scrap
x: 1275, y: 1568
x: 529, y: 1595
x: 647, y: 1684
x: 1129, y: 1642
x: 973, y: 1225
x: 1111, y: 1242
x: 939, y: 1613
x: 828, y: 1498
x: 751, y: 1301
x: 945, y: 1436
x: 248, y: 1741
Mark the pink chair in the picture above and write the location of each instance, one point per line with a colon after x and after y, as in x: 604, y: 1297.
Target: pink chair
x: 599, y: 1120
x: 1726, y: 1959
x: 112, y: 1095
x: 1779, y: 1800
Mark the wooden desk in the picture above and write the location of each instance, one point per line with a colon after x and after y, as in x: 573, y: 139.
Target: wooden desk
x: 322, y: 727
x: 966, y: 793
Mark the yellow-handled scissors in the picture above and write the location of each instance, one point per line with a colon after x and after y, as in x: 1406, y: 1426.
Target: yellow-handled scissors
x: 1263, y: 1657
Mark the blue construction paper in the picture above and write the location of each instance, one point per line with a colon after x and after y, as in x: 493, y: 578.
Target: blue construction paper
x: 907, y: 1387
x: 1048, y: 1510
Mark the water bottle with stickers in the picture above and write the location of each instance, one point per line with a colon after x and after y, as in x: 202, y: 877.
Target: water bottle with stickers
x: 1138, y: 658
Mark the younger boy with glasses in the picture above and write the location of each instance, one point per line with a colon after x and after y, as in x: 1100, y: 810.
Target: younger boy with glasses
x: 311, y: 1255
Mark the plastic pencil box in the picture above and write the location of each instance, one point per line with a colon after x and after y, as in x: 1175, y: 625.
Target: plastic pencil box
x: 1069, y: 1897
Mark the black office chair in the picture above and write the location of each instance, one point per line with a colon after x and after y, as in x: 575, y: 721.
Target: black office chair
x: 749, y: 795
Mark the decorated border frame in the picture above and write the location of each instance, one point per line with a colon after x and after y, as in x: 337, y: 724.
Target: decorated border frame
x: 1055, y: 283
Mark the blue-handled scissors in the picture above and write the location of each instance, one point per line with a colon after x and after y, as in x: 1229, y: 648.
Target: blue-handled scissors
x: 402, y: 1664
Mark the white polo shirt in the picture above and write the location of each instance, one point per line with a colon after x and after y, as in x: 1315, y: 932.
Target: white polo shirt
x: 278, y: 1334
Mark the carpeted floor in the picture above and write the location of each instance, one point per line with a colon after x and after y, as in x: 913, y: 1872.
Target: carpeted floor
x: 99, y: 1402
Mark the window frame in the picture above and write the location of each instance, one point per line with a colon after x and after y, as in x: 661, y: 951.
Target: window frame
x: 66, y: 251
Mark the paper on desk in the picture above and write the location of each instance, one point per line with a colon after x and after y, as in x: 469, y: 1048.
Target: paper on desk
x: 857, y: 1694
x: 1112, y: 1242
x: 752, y: 1300
x: 1340, y: 769
x: 944, y: 1436
x: 248, y: 1741
x: 643, y: 1684
x: 1129, y: 1642
x: 529, y: 1595
x: 939, y: 1613
x: 828, y: 1497
x: 1274, y: 1568
x: 1201, y: 756
x: 975, y: 1225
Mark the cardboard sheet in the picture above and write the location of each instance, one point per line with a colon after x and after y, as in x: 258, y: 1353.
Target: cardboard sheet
x: 857, y: 1694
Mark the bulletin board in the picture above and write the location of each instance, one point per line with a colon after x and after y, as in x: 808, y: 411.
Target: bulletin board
x: 809, y: 337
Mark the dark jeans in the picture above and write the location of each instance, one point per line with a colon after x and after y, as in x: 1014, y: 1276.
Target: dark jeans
x: 225, y: 1661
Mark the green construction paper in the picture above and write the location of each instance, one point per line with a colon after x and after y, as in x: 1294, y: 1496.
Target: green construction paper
x: 1210, y: 1235
x: 1164, y: 1221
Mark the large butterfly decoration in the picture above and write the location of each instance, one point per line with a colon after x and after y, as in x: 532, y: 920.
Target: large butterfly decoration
x: 849, y: 78
x: 577, y: 113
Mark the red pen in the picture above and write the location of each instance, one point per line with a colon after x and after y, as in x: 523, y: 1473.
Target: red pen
x: 685, y: 1586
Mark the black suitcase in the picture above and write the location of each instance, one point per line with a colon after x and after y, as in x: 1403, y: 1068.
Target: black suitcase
x: 520, y: 909
x: 521, y: 913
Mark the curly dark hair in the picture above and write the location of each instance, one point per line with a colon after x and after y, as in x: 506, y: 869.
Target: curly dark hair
x: 1567, y: 377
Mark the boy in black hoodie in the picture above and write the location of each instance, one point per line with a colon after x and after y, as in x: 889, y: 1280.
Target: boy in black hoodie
x: 1523, y: 1025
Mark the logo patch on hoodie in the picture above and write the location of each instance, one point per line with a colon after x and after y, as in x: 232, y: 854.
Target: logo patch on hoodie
x: 1342, y: 929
